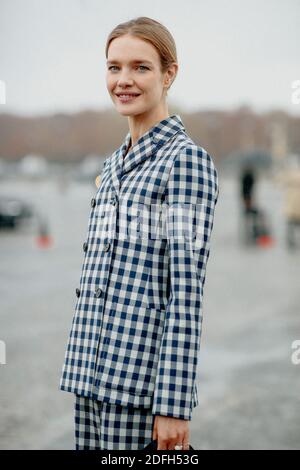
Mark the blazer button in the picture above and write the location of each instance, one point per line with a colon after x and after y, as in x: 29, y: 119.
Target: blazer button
x: 98, y: 292
x: 106, y: 247
x: 93, y: 202
x: 85, y: 246
x: 114, y: 200
x: 78, y: 292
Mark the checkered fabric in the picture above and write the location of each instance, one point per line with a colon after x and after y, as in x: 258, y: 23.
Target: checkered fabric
x: 135, y: 335
x: 106, y: 426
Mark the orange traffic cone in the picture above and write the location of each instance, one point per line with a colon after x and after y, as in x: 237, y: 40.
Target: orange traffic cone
x: 44, y: 240
x: 265, y: 241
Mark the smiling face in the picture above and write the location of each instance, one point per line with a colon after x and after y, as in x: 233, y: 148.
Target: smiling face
x: 133, y: 66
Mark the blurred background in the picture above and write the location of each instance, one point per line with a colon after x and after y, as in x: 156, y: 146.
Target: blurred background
x: 238, y: 94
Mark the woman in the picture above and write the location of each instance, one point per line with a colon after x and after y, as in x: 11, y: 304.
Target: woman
x: 133, y: 348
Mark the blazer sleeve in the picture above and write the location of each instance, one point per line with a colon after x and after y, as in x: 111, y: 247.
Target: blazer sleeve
x: 191, y: 195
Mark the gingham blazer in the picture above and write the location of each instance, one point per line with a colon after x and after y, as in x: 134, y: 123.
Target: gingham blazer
x: 135, y: 335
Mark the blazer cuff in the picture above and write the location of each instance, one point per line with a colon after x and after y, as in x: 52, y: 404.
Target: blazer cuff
x: 169, y: 407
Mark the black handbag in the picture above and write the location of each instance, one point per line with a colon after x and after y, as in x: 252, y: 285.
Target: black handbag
x: 153, y: 446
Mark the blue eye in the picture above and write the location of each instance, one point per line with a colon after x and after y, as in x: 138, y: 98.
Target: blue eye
x: 112, y: 66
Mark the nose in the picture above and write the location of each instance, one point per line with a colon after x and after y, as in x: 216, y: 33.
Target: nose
x: 124, y: 79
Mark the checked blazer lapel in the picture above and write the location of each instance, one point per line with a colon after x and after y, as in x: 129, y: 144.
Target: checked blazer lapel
x: 145, y: 147
x: 116, y: 163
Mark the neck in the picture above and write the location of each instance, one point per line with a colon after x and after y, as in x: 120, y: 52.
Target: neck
x: 141, y: 123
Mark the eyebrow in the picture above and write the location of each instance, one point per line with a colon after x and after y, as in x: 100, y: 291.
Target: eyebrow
x: 133, y: 62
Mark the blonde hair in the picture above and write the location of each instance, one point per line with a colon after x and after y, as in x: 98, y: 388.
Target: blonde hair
x: 152, y: 31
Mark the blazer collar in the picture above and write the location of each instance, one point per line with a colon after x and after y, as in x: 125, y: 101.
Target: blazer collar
x: 147, y: 144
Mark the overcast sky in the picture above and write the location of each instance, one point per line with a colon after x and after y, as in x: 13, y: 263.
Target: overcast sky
x: 230, y: 52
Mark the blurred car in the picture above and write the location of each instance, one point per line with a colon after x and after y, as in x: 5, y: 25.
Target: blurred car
x: 13, y: 211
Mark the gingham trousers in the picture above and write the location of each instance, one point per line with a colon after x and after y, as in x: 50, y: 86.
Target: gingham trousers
x: 106, y: 426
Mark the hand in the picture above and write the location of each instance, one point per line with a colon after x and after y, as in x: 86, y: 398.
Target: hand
x: 170, y: 431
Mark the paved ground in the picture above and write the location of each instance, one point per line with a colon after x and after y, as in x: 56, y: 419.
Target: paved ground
x: 248, y: 386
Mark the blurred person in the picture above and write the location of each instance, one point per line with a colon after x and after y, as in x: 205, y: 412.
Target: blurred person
x: 289, y: 179
x: 132, y: 353
x: 247, y: 181
x: 256, y: 224
x: 250, y: 213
